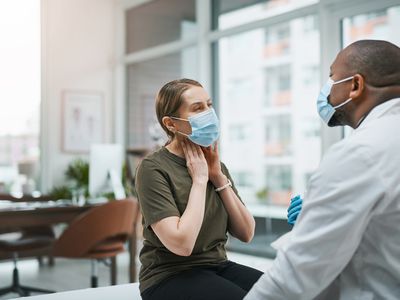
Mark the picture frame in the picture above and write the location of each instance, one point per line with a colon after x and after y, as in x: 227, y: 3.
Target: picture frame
x: 82, y: 121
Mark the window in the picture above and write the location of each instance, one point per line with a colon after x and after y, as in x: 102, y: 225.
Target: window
x: 278, y: 86
x: 381, y: 25
x: 243, y: 179
x: 276, y: 116
x: 278, y: 136
x: 310, y: 24
x: 228, y: 13
x: 277, y: 42
x: 279, y: 184
x: 156, y: 23
x: 238, y: 132
x: 144, y: 81
x: 19, y: 96
x: 311, y: 73
x: 159, y: 22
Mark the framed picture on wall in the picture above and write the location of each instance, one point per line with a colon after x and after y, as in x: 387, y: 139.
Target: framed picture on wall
x: 83, y: 121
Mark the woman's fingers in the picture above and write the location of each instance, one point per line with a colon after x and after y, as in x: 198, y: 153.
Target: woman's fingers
x: 187, y: 151
x: 184, y: 149
x: 216, y: 146
x: 206, y: 151
x: 199, y: 151
x: 194, y: 151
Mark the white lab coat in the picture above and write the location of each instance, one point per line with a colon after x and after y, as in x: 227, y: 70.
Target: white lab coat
x: 347, y: 238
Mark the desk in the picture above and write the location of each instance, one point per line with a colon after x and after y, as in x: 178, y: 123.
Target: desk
x: 24, y: 198
x: 11, y: 219
x: 39, y: 216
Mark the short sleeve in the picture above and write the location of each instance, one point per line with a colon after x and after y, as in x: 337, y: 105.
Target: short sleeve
x: 154, y: 193
x: 227, y: 174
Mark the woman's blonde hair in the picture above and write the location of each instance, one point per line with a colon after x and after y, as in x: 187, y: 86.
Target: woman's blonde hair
x: 169, y: 100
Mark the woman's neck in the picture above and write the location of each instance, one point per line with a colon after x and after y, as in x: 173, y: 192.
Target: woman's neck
x: 175, y: 148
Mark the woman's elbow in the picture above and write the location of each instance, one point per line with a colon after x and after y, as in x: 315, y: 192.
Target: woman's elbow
x: 248, y: 236
x: 185, y: 252
x: 182, y: 251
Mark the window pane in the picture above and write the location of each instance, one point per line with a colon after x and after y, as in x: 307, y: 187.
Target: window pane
x: 19, y: 95
x: 279, y: 182
x: 380, y: 25
x: 160, y: 22
x: 230, y: 13
x: 144, y: 81
x: 267, y: 98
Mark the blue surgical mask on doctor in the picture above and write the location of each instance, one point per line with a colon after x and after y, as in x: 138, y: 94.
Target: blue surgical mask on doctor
x: 205, y: 128
x: 325, y: 109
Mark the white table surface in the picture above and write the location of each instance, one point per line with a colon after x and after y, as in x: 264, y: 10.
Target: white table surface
x: 120, y: 292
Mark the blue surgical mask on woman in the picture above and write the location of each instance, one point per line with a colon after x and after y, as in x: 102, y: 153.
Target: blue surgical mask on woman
x: 205, y: 128
x: 325, y: 109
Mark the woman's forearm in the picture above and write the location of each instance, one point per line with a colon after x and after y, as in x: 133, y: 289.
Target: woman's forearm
x: 190, y: 222
x: 179, y: 234
x: 241, y: 223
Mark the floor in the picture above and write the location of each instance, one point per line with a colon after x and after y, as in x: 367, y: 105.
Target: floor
x: 75, y: 274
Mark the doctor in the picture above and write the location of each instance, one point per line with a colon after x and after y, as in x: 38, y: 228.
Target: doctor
x: 346, y: 241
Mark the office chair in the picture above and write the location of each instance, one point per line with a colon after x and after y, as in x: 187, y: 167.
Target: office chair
x: 98, y: 234
x: 21, y: 246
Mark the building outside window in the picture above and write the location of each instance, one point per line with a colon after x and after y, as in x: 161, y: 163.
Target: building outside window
x: 20, y: 97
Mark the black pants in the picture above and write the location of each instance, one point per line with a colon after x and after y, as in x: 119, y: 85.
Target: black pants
x: 228, y: 281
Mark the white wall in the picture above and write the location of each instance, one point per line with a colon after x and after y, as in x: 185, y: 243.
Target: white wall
x: 78, y: 53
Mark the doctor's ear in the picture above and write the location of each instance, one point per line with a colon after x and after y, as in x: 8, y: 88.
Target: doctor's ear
x: 357, y: 86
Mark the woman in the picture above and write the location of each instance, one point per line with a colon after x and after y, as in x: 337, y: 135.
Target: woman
x: 189, y: 203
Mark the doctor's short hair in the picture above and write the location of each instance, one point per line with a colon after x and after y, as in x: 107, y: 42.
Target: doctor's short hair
x: 169, y: 99
x: 378, y: 61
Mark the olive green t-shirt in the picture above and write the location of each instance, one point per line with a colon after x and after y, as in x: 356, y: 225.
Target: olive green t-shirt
x: 163, y: 186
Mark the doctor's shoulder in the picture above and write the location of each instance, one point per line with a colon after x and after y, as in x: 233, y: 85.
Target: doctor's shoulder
x: 349, y: 151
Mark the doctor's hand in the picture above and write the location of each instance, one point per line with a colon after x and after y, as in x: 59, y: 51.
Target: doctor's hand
x: 294, y: 209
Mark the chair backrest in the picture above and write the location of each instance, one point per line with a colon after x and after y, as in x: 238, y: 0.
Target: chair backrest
x: 109, y: 221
